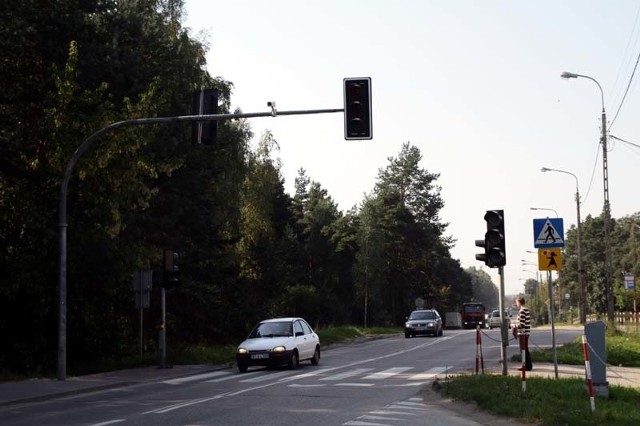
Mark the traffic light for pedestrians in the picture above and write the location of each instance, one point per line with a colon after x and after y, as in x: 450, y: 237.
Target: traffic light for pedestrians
x: 205, y: 102
x: 170, y: 269
x: 357, y: 109
x: 495, y: 251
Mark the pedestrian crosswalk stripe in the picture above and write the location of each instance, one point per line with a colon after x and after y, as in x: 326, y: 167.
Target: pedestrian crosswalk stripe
x: 266, y: 377
x: 347, y: 374
x: 195, y: 377
x: 386, y: 373
x: 429, y: 374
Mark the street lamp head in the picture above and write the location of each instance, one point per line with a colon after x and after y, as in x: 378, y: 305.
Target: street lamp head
x: 545, y: 169
x: 567, y: 75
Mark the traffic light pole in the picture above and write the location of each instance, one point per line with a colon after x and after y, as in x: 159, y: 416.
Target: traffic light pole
x: 62, y: 203
x: 504, y: 334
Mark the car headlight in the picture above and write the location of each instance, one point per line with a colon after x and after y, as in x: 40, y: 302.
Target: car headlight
x: 242, y: 351
x: 430, y: 324
x: 406, y: 324
x: 279, y: 349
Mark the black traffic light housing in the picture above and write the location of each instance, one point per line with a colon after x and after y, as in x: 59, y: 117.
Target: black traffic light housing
x: 205, y: 102
x: 495, y: 251
x: 495, y: 254
x: 170, y: 269
x: 357, y: 109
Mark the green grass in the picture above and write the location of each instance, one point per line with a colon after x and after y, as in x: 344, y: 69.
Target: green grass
x: 546, y: 401
x: 623, y: 349
x: 550, y: 401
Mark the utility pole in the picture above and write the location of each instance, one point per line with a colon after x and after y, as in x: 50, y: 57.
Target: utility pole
x: 608, y: 285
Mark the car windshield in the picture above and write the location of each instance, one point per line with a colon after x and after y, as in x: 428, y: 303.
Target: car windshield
x: 422, y: 315
x: 272, y: 329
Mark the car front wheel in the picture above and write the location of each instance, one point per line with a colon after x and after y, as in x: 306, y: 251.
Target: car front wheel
x: 293, y: 361
x: 316, y: 356
x: 242, y: 367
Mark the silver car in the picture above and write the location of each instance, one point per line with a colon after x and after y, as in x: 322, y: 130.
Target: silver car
x: 423, y: 321
x: 279, y: 341
x: 494, y: 320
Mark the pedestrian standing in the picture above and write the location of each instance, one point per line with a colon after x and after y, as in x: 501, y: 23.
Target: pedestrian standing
x: 523, y: 328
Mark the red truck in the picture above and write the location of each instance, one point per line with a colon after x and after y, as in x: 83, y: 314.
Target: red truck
x: 473, y: 314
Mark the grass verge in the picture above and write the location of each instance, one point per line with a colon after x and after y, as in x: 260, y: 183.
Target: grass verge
x: 549, y: 401
x: 545, y: 401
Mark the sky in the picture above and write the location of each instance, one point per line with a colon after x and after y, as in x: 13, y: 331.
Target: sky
x: 475, y: 85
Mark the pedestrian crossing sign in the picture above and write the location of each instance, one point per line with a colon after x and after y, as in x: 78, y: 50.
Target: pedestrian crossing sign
x: 548, y: 233
x: 550, y: 259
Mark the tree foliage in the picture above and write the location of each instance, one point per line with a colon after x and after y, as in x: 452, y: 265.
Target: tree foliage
x: 247, y: 248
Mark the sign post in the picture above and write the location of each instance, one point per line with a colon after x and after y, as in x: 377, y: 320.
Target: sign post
x: 548, y: 238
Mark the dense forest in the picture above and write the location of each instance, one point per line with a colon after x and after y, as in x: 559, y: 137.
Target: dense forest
x: 247, y: 249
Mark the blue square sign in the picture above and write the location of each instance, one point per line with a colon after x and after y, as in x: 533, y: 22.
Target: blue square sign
x: 548, y: 233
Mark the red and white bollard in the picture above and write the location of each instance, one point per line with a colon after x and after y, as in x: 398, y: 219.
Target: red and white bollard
x: 587, y: 367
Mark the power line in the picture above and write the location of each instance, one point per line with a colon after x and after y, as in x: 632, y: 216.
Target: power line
x: 624, y: 97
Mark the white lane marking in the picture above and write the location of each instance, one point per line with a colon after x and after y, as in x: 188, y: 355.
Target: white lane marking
x: 232, y: 376
x: 359, y: 423
x: 266, y: 377
x: 110, y: 422
x: 185, y: 404
x: 385, y: 412
x: 411, y: 404
x: 429, y: 374
x: 347, y: 374
x: 196, y: 377
x: 296, y: 385
x: 361, y: 385
x: 386, y: 373
x: 404, y: 407
x: 368, y: 417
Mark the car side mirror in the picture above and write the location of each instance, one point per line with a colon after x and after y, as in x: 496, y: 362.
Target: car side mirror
x: 299, y: 333
x: 406, y: 318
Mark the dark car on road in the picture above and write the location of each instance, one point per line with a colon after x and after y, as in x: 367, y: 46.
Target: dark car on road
x: 423, y: 321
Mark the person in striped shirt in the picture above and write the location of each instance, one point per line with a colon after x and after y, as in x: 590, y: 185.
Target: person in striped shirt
x: 523, y: 328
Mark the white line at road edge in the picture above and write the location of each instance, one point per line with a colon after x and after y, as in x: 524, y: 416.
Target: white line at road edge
x: 292, y: 378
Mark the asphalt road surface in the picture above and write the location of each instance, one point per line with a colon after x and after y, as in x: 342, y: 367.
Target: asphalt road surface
x: 375, y: 382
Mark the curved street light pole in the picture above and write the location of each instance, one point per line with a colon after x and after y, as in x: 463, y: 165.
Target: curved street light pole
x: 583, y: 310
x: 544, y: 208
x: 607, y: 208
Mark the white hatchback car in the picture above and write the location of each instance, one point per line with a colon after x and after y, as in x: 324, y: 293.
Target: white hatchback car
x: 279, y: 341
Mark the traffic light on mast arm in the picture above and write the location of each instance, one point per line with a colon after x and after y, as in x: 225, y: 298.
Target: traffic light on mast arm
x: 495, y: 254
x: 205, y: 102
x: 170, y: 269
x: 357, y: 109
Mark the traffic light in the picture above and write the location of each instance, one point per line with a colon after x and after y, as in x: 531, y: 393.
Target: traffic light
x: 357, y: 109
x: 495, y: 254
x: 482, y: 257
x: 205, y: 102
x: 170, y: 269
x: 495, y: 251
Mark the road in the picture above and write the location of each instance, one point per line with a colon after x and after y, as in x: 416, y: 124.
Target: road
x: 372, y: 382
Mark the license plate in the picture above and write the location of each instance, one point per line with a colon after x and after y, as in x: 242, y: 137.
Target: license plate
x: 259, y: 356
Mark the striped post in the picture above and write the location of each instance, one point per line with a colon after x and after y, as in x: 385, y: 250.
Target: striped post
x: 523, y: 354
x: 587, y: 368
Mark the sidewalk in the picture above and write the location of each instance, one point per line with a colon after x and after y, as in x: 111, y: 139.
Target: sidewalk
x: 616, y: 376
